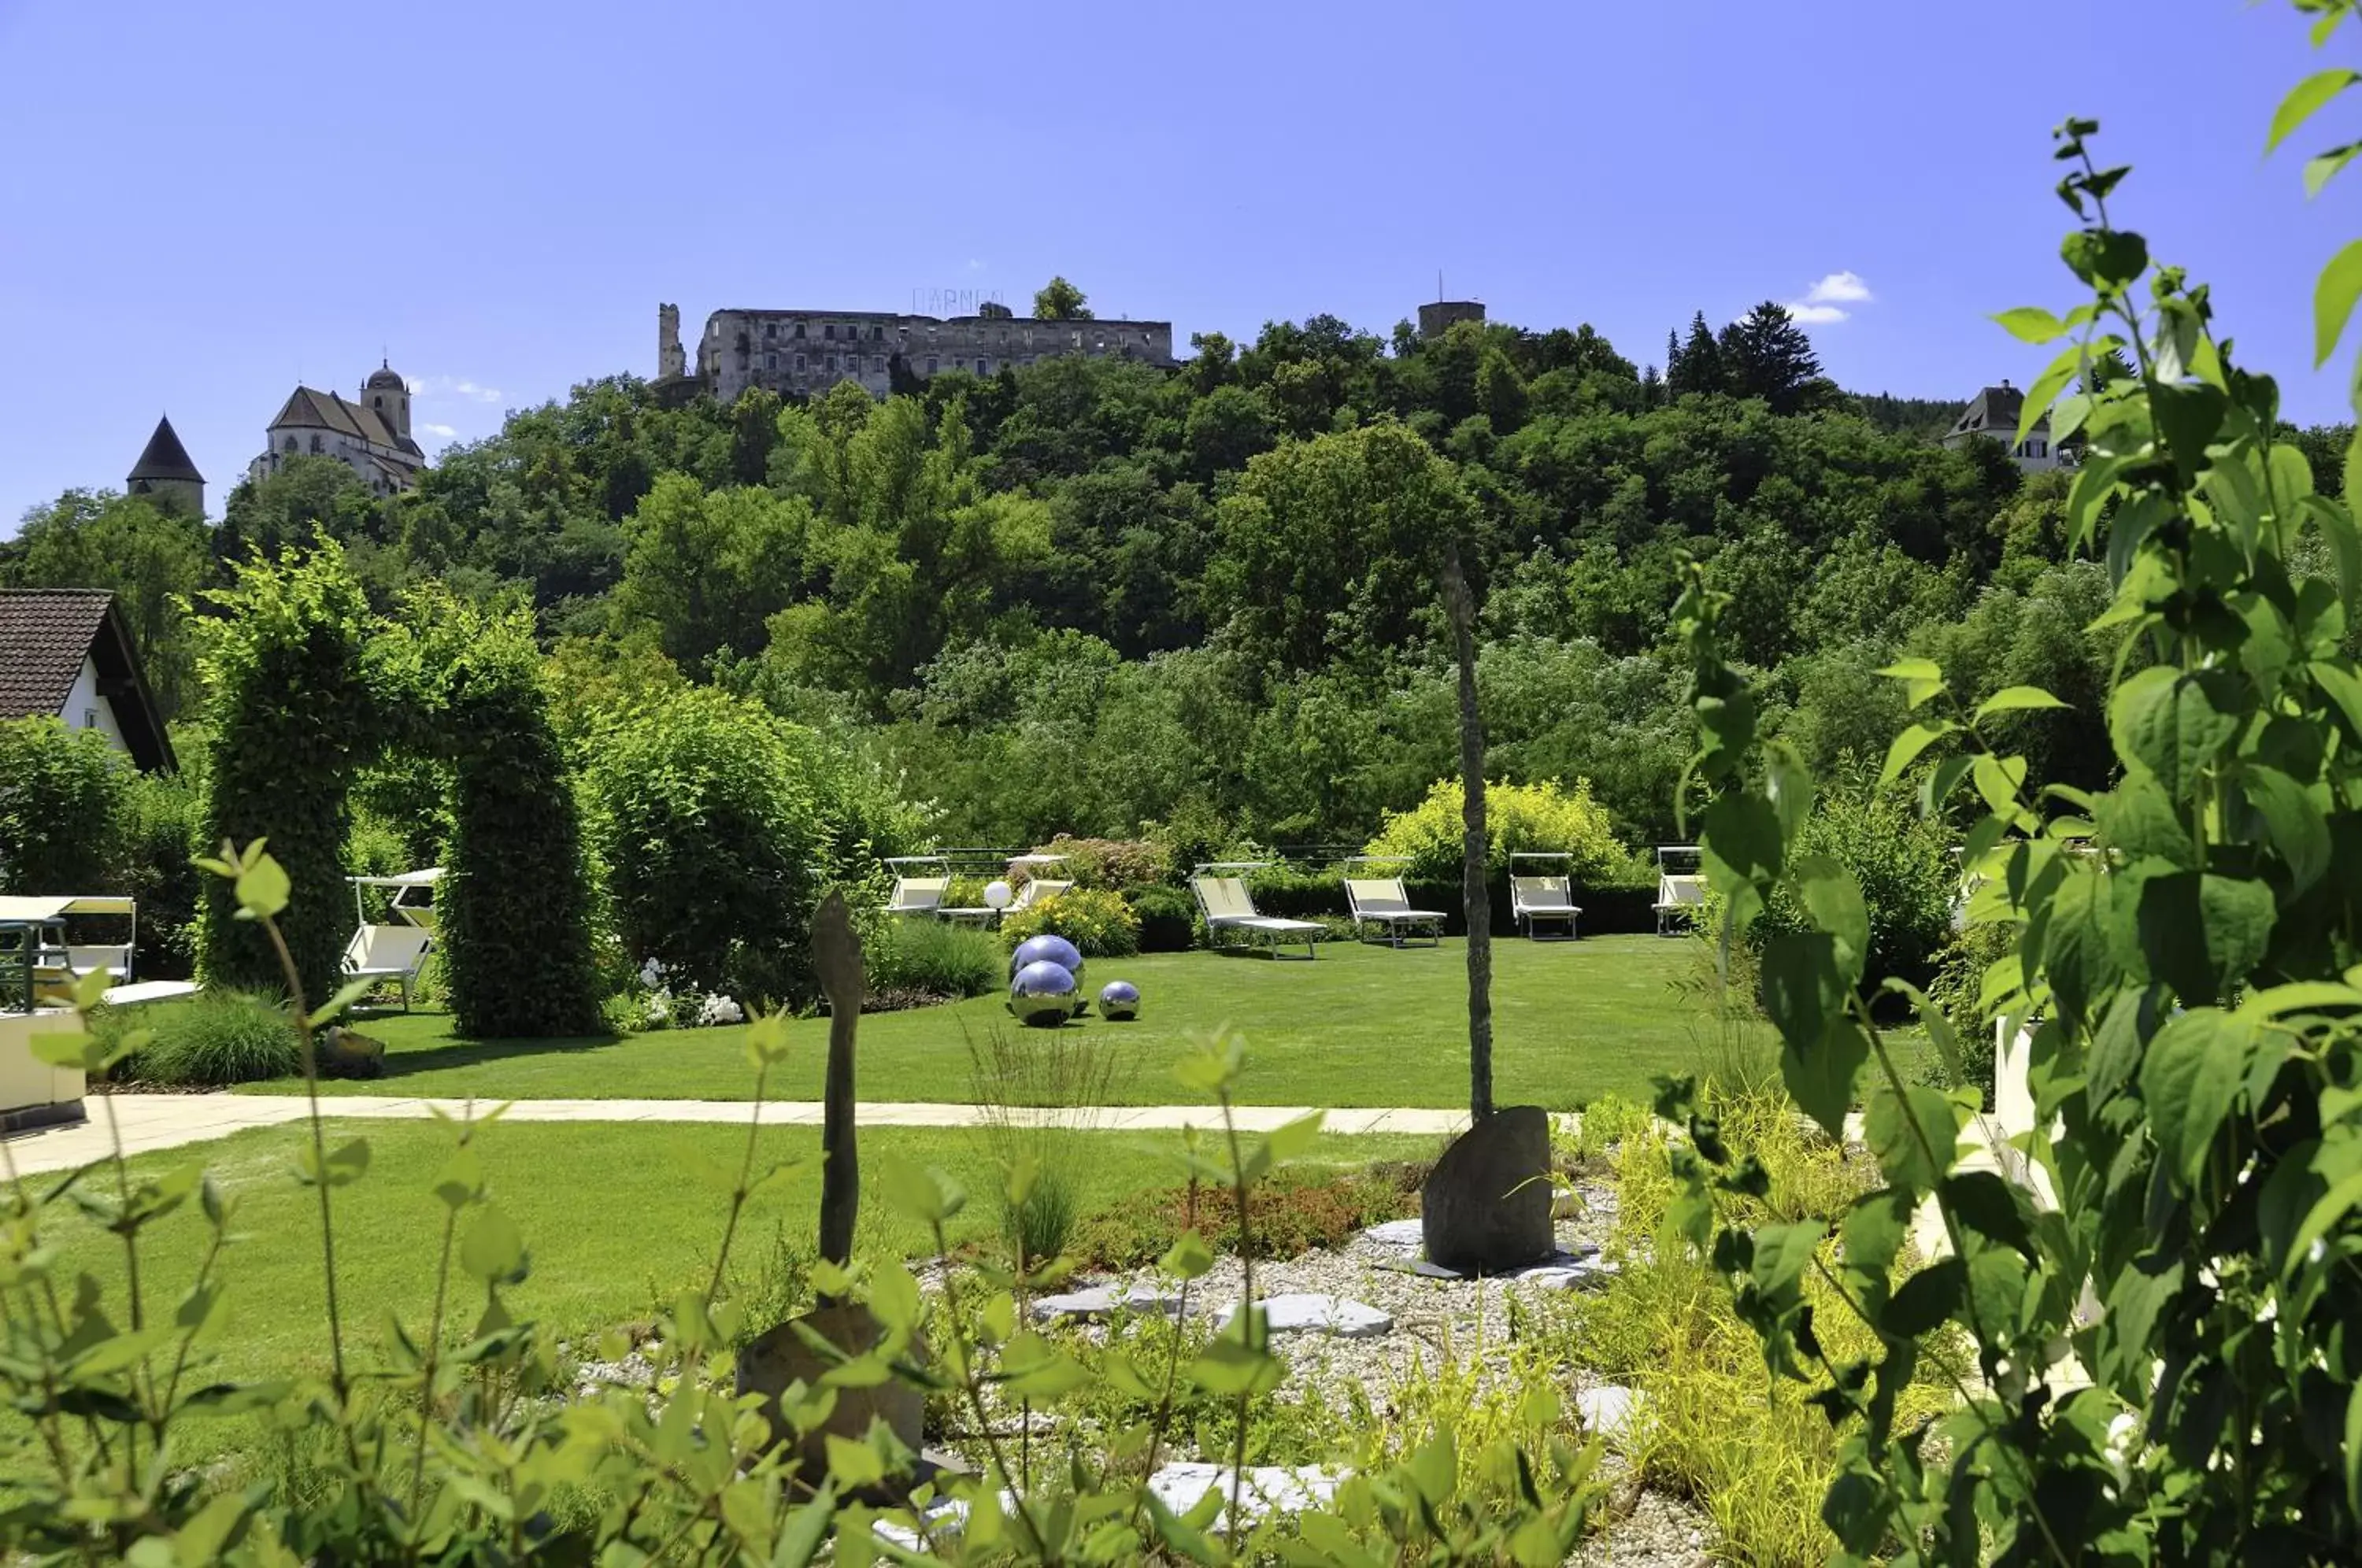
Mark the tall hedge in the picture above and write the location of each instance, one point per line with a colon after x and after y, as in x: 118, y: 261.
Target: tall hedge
x: 515, y: 899
x: 462, y: 686
x: 290, y: 716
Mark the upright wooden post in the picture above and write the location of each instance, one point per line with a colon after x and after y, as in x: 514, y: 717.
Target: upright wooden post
x: 836, y: 955
x: 1475, y: 895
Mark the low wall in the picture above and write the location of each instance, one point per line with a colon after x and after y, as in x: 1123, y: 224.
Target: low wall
x: 32, y: 1092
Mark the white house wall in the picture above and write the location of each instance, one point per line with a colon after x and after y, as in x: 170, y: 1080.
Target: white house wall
x: 85, y: 709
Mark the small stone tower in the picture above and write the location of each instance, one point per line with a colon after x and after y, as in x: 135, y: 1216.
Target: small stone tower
x: 670, y: 361
x: 1438, y: 316
x: 165, y: 475
x: 386, y: 393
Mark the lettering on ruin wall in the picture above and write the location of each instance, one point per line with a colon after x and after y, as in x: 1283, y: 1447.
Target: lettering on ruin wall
x: 952, y: 301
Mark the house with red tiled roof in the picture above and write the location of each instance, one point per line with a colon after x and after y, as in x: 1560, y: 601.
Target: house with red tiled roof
x: 370, y: 435
x: 66, y: 653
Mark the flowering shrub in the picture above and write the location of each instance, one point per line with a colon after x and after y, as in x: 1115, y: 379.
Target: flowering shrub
x: 1099, y: 922
x: 1121, y: 863
x: 1545, y: 816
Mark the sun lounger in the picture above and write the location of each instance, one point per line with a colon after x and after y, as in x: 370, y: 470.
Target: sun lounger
x: 1679, y: 899
x: 1381, y: 901
x: 1227, y: 910
x: 1040, y: 890
x: 1537, y: 901
x: 918, y: 895
x: 394, y: 953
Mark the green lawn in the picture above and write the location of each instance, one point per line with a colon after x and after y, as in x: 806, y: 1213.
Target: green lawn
x: 617, y: 1217
x: 1363, y: 1025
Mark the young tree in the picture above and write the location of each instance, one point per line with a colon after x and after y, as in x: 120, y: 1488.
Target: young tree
x: 1061, y: 301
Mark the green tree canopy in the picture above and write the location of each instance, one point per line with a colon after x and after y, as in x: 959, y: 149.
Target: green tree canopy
x: 1059, y: 300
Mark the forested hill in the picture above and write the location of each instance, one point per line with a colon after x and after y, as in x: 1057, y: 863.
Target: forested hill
x: 1088, y: 593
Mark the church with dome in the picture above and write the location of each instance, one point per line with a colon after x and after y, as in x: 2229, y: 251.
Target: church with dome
x: 370, y: 435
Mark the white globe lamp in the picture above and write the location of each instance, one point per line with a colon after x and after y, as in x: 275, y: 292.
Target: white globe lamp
x: 997, y: 894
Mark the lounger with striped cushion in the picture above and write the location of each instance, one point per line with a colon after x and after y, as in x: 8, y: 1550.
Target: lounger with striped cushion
x: 1224, y: 901
x: 1381, y: 901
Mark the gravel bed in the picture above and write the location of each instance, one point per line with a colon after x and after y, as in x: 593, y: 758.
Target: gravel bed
x: 1658, y: 1532
x: 1435, y: 1321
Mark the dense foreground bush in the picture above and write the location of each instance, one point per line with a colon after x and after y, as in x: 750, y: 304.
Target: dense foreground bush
x: 2169, y: 1351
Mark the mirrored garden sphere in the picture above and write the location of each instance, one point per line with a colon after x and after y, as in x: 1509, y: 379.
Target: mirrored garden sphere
x: 1042, y: 994
x: 1119, y: 999
x: 1048, y: 949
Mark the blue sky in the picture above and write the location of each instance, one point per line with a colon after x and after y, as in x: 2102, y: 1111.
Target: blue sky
x: 201, y: 203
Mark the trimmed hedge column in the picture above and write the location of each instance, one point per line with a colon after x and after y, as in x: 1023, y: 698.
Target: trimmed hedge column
x: 291, y: 718
x: 516, y: 902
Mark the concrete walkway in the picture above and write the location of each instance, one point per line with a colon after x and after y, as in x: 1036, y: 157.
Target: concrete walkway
x: 152, y: 1121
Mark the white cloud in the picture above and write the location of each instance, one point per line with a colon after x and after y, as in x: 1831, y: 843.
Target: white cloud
x: 1838, y: 288
x: 454, y: 386
x: 1824, y: 304
x: 440, y: 431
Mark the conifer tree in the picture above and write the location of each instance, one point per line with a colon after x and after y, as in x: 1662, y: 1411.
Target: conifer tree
x: 1765, y: 354
x: 1698, y: 367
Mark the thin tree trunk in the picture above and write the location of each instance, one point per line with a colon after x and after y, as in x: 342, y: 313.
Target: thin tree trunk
x: 837, y: 950
x: 1476, y: 897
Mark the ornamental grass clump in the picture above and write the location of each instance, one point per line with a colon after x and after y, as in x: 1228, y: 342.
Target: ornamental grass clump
x: 212, y: 1039
x: 940, y: 959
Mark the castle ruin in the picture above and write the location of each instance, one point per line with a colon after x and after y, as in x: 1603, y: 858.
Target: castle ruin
x: 804, y: 352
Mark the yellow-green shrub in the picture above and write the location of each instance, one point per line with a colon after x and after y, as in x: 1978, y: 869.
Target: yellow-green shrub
x: 1097, y: 922
x: 1545, y: 816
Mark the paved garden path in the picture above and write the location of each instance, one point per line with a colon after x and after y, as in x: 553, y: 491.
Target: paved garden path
x: 150, y: 1122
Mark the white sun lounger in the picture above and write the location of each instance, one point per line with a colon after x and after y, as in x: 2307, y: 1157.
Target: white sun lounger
x: 1543, y: 897
x: 395, y: 953
x: 1381, y: 901
x: 918, y: 895
x: 1679, y: 899
x: 1037, y: 889
x: 1227, y: 908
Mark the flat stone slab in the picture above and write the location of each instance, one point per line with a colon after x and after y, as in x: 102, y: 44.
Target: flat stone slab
x: 1100, y: 1301
x: 1397, y: 1233
x: 1303, y: 1313
x: 1607, y: 1409
x: 1269, y: 1487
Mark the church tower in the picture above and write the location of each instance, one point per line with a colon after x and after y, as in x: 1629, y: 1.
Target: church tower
x: 387, y: 394
x: 165, y: 475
